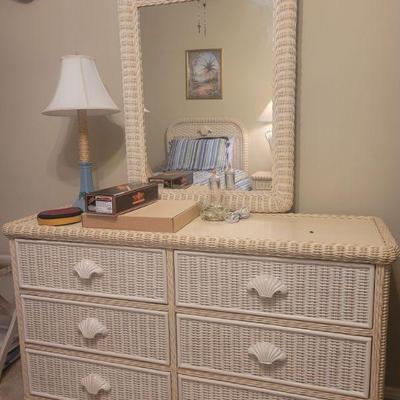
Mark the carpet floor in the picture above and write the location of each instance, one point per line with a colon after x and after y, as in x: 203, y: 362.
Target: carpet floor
x: 11, y: 383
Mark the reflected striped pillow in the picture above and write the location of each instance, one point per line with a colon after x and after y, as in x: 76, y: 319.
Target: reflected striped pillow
x: 198, y: 154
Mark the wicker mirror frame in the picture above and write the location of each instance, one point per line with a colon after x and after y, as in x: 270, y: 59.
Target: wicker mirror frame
x: 280, y: 198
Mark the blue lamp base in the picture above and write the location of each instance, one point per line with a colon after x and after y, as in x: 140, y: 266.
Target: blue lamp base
x: 86, y: 185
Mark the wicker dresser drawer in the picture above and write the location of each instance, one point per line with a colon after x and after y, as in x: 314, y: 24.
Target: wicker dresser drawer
x: 203, y: 389
x: 120, y: 272
x: 117, y: 331
x: 315, y: 360
x: 305, y: 290
x: 71, y: 378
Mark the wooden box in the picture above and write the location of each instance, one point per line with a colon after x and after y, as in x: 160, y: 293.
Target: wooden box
x: 161, y: 216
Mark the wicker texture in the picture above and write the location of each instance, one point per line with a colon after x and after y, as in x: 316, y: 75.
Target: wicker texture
x: 131, y: 61
x: 280, y: 199
x: 261, y: 185
x: 127, y: 273
x: 84, y: 153
x: 60, y: 377
x: 203, y: 389
x: 383, y: 331
x: 131, y: 333
x: 214, y: 127
x: 334, y: 363
x: 382, y: 293
x: 385, y: 253
x: 324, y: 292
x: 172, y: 324
x: 312, y: 349
x: 261, y: 180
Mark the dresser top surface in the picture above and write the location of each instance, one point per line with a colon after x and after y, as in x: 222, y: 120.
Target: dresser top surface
x: 281, y: 228
x: 344, y: 238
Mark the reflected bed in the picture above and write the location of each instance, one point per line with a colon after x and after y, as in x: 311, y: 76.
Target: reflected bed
x: 204, y: 145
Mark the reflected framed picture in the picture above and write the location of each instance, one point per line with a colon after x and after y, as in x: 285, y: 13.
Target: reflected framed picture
x: 204, y: 74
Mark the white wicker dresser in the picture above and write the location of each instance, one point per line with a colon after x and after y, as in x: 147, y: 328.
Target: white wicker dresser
x: 277, y: 307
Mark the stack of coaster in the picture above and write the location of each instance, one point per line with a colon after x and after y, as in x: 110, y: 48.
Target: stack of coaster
x: 61, y: 216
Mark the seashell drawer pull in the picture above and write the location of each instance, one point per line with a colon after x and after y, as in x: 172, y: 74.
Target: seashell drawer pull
x: 91, y: 327
x: 94, y: 383
x: 267, y: 285
x: 87, y: 268
x: 266, y: 353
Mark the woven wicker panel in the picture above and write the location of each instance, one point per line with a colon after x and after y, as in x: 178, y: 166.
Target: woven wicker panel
x: 59, y: 377
x: 334, y: 363
x: 320, y: 291
x: 261, y: 185
x: 132, y: 333
x: 203, y: 389
x: 127, y: 273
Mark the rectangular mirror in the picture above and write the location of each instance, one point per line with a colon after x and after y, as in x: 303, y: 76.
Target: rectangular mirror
x: 200, y: 78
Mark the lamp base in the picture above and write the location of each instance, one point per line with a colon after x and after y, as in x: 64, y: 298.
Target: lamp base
x: 86, y: 184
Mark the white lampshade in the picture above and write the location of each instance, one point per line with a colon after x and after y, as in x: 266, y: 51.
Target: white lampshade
x: 266, y: 115
x: 80, y: 88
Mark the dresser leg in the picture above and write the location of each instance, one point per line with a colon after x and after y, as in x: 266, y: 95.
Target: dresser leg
x: 172, y: 324
x: 18, y: 308
x: 381, y: 314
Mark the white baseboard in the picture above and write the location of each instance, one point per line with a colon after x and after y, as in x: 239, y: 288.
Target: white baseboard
x: 392, y: 393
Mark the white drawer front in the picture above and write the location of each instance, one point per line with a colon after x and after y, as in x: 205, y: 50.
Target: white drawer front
x: 118, y: 331
x: 71, y: 378
x: 118, y: 272
x: 204, y: 389
x: 315, y: 291
x: 329, y: 362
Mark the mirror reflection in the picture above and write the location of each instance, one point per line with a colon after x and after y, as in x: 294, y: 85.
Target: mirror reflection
x: 207, y: 78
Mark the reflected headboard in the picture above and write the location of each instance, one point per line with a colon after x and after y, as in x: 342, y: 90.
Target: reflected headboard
x: 196, y: 127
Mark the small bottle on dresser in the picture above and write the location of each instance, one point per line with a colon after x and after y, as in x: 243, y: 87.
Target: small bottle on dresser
x: 215, y: 188
x: 230, y: 178
x: 214, y: 210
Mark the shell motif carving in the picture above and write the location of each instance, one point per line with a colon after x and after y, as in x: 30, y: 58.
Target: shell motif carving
x: 91, y: 327
x: 267, y: 285
x: 94, y: 383
x: 266, y: 353
x: 87, y: 268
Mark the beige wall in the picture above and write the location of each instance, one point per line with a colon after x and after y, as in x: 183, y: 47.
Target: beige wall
x: 39, y: 154
x: 348, y: 119
x: 244, y: 31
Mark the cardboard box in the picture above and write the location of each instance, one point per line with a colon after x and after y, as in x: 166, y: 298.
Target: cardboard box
x: 173, y: 180
x: 161, y: 216
x: 120, y: 199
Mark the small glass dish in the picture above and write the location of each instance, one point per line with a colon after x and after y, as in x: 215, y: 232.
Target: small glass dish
x: 214, y: 212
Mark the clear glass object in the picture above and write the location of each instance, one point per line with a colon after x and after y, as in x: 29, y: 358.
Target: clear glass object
x: 214, y: 210
x: 230, y: 178
x: 214, y: 183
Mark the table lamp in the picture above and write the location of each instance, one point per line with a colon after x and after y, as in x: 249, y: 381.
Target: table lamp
x: 80, y: 92
x: 266, y: 117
